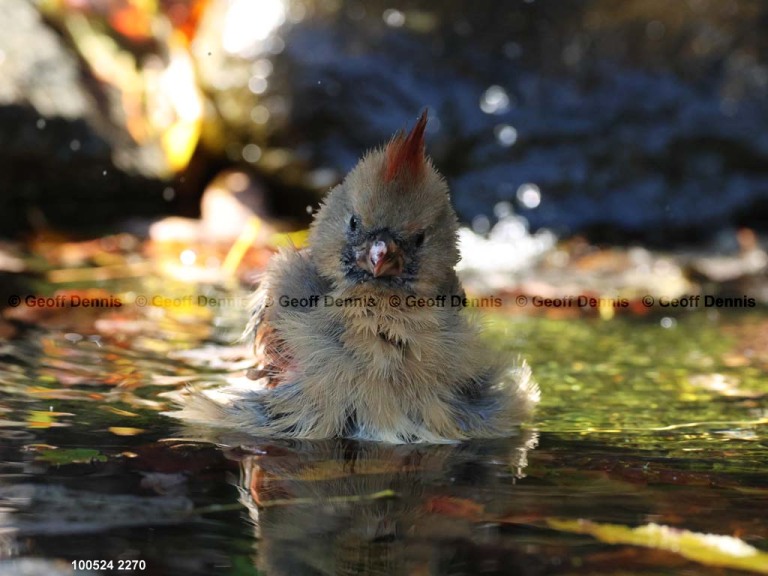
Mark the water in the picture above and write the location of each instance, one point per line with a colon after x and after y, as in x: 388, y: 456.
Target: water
x: 643, y: 421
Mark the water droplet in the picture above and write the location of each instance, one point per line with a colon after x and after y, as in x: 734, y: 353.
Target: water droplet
x: 237, y: 182
x: 277, y: 106
x: 169, y: 194
x: 104, y: 173
x: 40, y: 123
x: 494, y: 100
x: 257, y: 85
x: 297, y: 12
x: 262, y: 68
x: 276, y: 45
x: 668, y: 322
x: 322, y: 178
x: 260, y: 114
x: 481, y: 224
x: 512, y: 229
x: 251, y: 153
x: 393, y: 17
x: 188, y: 257
x: 529, y: 195
x: 74, y: 145
x: 505, y: 134
x: 502, y: 210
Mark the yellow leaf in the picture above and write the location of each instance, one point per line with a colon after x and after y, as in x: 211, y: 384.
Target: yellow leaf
x: 125, y: 431
x: 297, y: 239
x: 241, y: 245
x: 179, y: 142
x: 118, y: 411
x: 708, y: 549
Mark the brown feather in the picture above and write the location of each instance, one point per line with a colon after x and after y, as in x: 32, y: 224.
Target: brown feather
x: 272, y: 353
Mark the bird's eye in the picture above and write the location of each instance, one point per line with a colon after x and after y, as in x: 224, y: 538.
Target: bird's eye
x: 354, y: 223
x: 419, y: 239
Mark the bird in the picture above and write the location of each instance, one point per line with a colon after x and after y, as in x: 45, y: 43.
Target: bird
x: 364, y: 334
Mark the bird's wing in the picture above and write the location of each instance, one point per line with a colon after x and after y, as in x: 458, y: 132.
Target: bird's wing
x: 290, y: 280
x: 272, y: 355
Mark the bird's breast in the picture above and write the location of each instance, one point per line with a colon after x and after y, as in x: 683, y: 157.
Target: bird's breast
x: 389, y: 340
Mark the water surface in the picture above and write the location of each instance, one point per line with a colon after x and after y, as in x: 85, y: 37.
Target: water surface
x: 643, y: 421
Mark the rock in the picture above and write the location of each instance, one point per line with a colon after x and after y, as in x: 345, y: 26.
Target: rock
x: 68, y: 156
x: 737, y: 256
x: 508, y: 252
x: 230, y: 203
x: 233, y: 197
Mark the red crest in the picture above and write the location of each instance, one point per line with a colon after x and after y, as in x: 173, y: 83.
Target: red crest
x: 405, y: 154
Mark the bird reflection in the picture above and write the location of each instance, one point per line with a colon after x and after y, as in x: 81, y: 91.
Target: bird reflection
x: 347, y: 507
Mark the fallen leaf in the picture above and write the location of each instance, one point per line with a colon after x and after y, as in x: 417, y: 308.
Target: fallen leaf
x: 125, y: 431
x: 708, y: 549
x: 455, y: 507
x: 43, y: 419
x: 118, y: 411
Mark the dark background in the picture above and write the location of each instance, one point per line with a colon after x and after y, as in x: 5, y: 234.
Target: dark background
x: 640, y: 120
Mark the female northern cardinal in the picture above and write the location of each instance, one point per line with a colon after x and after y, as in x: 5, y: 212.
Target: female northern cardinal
x: 364, y: 334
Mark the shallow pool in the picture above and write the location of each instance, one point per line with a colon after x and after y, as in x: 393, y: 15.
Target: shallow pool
x: 651, y: 435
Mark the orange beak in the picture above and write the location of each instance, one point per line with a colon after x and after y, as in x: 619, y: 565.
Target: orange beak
x: 385, y: 259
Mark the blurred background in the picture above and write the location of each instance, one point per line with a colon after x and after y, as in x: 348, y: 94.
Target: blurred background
x: 639, y: 121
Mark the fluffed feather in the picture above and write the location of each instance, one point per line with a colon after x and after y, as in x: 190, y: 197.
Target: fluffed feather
x: 367, y: 367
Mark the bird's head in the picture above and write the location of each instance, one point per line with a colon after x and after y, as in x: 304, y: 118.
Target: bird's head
x: 390, y: 223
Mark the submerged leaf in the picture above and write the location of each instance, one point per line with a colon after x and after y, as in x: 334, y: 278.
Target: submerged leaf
x: 709, y: 549
x: 455, y: 507
x: 125, y: 431
x: 43, y: 419
x: 118, y: 411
